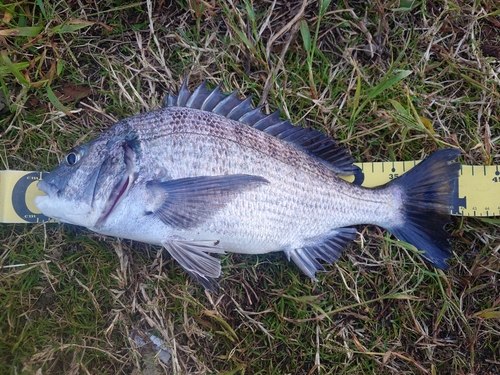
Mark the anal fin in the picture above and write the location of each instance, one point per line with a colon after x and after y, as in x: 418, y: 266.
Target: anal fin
x: 327, y: 250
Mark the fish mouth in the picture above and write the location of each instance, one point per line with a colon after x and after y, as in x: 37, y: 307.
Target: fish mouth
x: 47, y: 188
x: 119, y: 192
x: 53, y: 206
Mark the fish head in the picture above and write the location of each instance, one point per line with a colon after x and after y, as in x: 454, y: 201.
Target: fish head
x: 90, y: 181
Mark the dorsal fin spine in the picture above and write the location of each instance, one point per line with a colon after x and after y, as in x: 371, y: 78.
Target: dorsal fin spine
x: 198, y: 92
x: 212, y: 100
x: 224, y: 107
x: 269, y: 120
x: 171, y: 101
x: 247, y: 117
x: 184, y: 94
x: 277, y: 129
x: 311, y: 141
x: 241, y: 108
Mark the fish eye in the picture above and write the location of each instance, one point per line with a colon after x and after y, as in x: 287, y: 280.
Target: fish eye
x: 73, y: 156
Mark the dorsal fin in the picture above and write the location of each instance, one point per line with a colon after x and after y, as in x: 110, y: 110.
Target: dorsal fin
x: 310, y: 140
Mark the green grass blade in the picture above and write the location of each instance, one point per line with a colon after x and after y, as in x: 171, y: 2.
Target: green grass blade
x: 4, y: 70
x: 29, y: 31
x: 13, y: 68
x: 398, y: 107
x: 388, y: 83
x: 42, y: 9
x: 306, y: 35
x: 56, y: 102
x: 323, y: 7
x: 70, y: 28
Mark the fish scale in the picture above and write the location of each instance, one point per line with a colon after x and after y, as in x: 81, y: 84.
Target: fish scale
x: 208, y: 173
x: 181, y: 153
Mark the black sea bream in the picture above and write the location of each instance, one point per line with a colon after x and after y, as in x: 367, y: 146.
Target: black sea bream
x: 210, y: 174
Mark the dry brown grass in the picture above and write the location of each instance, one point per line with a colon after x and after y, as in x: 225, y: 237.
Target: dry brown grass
x: 72, y: 299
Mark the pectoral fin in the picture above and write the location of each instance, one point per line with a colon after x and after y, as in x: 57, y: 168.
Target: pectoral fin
x: 188, y: 202
x: 193, y: 257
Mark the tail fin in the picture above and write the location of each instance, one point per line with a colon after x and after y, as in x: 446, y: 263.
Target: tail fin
x: 428, y: 191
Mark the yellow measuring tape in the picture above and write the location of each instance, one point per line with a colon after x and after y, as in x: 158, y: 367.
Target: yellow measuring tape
x: 17, y: 197
x: 478, y: 192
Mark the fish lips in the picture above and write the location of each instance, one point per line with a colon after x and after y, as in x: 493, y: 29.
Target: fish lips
x: 47, y: 187
x: 50, y: 191
x: 41, y: 198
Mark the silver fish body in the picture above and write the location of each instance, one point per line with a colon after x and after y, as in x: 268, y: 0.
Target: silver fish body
x: 208, y: 173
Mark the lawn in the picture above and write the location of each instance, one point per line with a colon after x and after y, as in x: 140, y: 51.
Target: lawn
x: 391, y: 80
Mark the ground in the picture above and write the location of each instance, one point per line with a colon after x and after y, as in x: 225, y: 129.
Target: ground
x: 391, y: 80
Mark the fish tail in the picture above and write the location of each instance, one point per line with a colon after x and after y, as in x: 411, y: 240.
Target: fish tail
x: 428, y: 191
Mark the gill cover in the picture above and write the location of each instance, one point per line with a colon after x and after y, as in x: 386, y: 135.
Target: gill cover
x: 126, y: 177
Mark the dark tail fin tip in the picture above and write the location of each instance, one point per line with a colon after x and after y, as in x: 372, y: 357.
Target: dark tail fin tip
x: 428, y: 192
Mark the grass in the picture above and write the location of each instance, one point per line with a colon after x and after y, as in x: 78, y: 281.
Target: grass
x: 71, y: 299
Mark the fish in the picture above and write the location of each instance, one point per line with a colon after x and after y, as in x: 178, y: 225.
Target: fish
x: 208, y: 174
